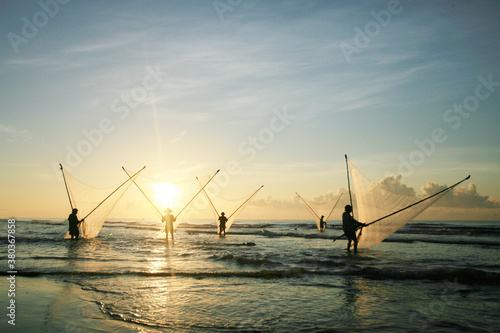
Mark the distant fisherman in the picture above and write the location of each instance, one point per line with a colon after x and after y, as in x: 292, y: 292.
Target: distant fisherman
x: 168, y: 219
x: 73, y: 224
x: 350, y: 225
x: 222, y: 224
x: 322, y: 223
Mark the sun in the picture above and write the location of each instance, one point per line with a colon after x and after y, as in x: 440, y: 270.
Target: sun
x: 165, y: 194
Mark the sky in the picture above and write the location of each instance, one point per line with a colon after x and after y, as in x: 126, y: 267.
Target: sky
x: 272, y: 93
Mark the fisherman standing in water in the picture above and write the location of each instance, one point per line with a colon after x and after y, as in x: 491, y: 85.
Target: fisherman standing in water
x: 73, y: 224
x: 222, y: 224
x: 168, y: 219
x: 322, y: 223
x: 350, y: 225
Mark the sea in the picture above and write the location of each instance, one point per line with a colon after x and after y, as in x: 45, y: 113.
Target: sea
x: 264, y: 276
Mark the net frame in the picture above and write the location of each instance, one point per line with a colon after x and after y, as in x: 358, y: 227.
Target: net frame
x: 385, y: 211
x: 94, y: 204
x: 235, y: 207
x: 317, y: 209
x: 189, y: 191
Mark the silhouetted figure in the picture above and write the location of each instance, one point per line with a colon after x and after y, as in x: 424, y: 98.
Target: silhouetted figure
x: 322, y: 223
x: 168, y: 219
x: 73, y: 224
x: 350, y: 225
x: 222, y: 224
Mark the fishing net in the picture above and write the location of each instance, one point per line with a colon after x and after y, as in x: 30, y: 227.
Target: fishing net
x: 177, y: 195
x: 373, y: 202
x: 323, y: 206
x: 93, y: 204
x: 231, y: 208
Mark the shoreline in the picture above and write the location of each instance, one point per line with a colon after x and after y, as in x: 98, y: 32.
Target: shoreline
x: 46, y: 305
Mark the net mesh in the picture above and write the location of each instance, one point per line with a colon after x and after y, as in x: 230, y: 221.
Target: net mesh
x: 320, y: 207
x: 373, y: 201
x: 231, y: 208
x: 178, y: 195
x: 98, y: 202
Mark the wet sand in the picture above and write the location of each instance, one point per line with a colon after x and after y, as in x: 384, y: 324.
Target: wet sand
x: 44, y: 305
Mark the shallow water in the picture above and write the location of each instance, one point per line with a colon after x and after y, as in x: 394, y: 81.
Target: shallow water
x: 277, y: 276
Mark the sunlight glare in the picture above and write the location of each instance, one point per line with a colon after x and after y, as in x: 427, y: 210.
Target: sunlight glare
x: 165, y: 194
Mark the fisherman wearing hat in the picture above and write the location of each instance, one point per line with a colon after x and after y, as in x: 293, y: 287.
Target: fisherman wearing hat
x: 169, y: 220
x: 73, y: 224
x: 222, y: 224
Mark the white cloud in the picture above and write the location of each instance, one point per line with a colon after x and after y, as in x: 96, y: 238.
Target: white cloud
x: 179, y: 137
x: 13, y: 135
x: 461, y: 197
x: 394, y: 184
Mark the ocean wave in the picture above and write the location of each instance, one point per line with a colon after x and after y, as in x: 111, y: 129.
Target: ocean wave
x: 266, y: 274
x: 322, y: 263
x: 473, y: 242
x: 246, y: 261
x: 108, y: 309
x: 198, y: 226
x: 236, y: 225
x: 85, y: 259
x: 447, y: 230
x: 469, y: 276
x: 269, y: 233
x: 48, y: 222
x: 252, y: 226
x: 395, y: 239
x: 234, y: 231
x: 457, y: 275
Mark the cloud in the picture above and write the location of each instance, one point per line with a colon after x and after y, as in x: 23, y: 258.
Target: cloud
x: 92, y: 47
x: 293, y: 208
x: 327, y: 197
x: 179, y: 137
x: 14, y: 135
x: 461, y: 197
x: 394, y: 184
x: 460, y: 203
x: 270, y: 203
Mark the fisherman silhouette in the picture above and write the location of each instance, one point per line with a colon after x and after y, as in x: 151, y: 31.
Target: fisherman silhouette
x: 168, y: 219
x: 350, y: 225
x: 73, y: 224
x: 222, y: 224
x: 322, y: 223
